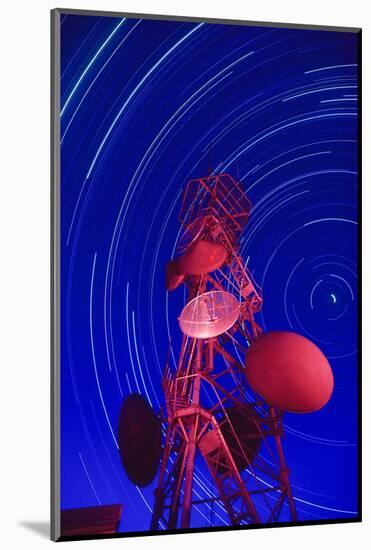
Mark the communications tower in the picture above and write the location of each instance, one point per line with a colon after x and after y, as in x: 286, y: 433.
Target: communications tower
x: 225, y: 398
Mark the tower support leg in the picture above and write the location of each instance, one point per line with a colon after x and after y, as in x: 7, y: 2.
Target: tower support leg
x: 188, y: 484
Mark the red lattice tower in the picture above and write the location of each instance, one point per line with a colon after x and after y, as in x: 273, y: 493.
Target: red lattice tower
x: 211, y: 412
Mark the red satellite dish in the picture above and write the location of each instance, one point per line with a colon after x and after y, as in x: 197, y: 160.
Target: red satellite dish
x: 139, y: 439
x: 203, y: 257
x: 289, y: 371
x: 209, y: 314
x: 173, y: 278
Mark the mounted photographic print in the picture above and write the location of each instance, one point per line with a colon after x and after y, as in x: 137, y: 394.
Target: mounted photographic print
x: 205, y: 274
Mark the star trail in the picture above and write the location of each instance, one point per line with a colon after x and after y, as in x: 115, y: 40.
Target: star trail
x: 147, y: 105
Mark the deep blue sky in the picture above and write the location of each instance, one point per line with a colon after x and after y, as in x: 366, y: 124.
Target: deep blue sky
x: 141, y: 102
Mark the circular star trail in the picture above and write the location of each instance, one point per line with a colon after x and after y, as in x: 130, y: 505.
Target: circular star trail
x: 145, y: 106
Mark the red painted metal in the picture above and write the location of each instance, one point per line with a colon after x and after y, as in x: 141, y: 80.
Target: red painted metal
x: 212, y: 414
x: 289, y: 371
x: 173, y: 277
x: 202, y: 257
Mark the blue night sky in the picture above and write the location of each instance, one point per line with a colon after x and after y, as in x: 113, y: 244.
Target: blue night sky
x: 141, y: 101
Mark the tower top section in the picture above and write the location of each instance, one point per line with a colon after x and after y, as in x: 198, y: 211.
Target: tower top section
x: 216, y: 195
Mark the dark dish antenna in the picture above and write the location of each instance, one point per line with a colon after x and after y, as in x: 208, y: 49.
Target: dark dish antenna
x: 139, y: 439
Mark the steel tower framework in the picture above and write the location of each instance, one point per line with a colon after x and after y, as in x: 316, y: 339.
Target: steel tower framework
x: 209, y: 384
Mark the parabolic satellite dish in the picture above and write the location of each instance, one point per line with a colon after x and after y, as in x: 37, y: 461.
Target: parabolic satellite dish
x: 139, y: 439
x: 209, y: 314
x: 203, y: 257
x: 289, y: 371
x: 173, y: 277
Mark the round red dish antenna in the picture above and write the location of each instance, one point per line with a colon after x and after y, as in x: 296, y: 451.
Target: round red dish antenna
x: 173, y: 277
x: 209, y: 314
x: 139, y: 439
x: 289, y: 371
x: 203, y: 257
